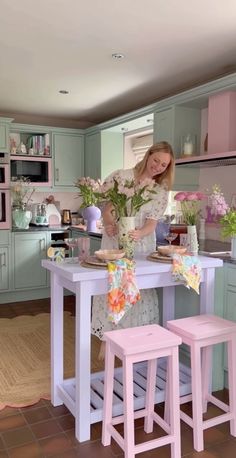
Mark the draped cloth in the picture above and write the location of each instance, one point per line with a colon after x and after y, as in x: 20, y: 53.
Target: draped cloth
x: 123, y: 291
x: 187, y: 268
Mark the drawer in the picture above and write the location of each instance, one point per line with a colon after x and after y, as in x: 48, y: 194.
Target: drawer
x: 4, y: 237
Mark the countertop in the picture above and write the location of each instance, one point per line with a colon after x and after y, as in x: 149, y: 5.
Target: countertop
x: 61, y: 227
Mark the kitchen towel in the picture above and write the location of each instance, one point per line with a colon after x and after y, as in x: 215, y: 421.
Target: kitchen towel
x: 187, y: 268
x: 123, y: 292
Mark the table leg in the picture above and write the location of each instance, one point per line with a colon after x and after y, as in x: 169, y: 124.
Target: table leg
x: 168, y: 304
x: 56, y: 338
x: 207, y: 292
x: 82, y: 361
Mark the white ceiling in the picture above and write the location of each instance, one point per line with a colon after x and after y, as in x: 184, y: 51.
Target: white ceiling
x: 169, y: 45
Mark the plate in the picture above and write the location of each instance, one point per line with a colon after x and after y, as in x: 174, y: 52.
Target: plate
x: 158, y: 257
x: 94, y: 261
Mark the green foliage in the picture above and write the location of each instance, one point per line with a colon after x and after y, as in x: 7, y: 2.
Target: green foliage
x: 228, y: 223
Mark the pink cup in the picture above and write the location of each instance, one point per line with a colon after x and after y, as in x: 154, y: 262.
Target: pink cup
x: 83, y: 248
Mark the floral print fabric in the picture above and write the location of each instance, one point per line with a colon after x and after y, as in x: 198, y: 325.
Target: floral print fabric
x: 187, y: 269
x: 123, y: 292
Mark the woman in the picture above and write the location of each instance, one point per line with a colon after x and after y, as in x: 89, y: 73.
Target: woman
x: 158, y: 164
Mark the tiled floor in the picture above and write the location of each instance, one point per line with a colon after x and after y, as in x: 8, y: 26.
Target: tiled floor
x: 42, y: 431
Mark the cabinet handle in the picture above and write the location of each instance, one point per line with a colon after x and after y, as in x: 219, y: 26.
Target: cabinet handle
x: 3, y: 256
x: 57, y: 174
x: 42, y: 244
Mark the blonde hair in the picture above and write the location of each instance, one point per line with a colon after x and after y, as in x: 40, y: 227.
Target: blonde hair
x: 166, y: 177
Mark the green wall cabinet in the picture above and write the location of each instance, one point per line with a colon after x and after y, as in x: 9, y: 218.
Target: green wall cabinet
x: 4, y: 134
x: 104, y: 153
x: 230, y: 303
x: 68, y: 151
x: 4, y: 269
x: 29, y: 250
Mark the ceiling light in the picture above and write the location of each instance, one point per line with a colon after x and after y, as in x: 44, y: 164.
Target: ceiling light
x: 117, y: 55
x: 63, y: 91
x: 149, y: 120
x: 124, y: 129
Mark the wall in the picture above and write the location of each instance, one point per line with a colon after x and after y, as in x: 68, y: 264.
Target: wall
x: 67, y: 200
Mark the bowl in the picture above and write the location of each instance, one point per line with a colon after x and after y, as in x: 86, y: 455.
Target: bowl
x: 109, y: 255
x: 169, y: 250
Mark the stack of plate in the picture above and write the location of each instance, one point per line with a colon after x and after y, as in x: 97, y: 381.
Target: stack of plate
x: 164, y: 253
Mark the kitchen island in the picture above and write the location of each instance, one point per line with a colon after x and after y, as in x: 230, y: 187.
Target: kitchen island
x: 83, y: 394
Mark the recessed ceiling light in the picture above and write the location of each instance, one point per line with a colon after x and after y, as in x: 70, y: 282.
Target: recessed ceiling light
x: 124, y: 129
x: 149, y: 120
x: 117, y: 55
x: 63, y: 91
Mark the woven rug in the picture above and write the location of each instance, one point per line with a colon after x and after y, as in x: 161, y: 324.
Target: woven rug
x: 25, y: 358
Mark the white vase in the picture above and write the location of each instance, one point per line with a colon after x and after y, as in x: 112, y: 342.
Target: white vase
x: 233, y: 247
x: 192, y: 240
x: 126, y: 224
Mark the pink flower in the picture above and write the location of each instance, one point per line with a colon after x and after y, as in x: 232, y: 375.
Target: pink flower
x: 190, y: 205
x: 180, y: 196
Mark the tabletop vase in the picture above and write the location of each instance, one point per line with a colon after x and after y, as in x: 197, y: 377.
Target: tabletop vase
x: 91, y: 214
x: 126, y: 224
x: 192, y: 240
x: 21, y: 218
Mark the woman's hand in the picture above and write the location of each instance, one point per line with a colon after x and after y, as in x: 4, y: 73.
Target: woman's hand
x: 136, y: 234
x: 111, y: 229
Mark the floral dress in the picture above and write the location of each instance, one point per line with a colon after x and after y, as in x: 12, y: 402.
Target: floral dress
x: 146, y: 310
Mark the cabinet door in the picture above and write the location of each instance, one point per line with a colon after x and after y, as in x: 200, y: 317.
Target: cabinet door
x: 3, y: 138
x: 4, y: 268
x: 69, y: 158
x: 95, y: 244
x: 29, y: 250
x: 92, y: 157
x: 164, y: 126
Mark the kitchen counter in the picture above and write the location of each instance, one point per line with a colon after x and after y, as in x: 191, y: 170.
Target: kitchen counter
x: 216, y: 249
x: 42, y: 228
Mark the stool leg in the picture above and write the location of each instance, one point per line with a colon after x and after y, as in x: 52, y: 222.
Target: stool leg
x: 150, y: 394
x: 232, y: 382
x: 108, y: 394
x: 174, y: 406
x: 206, y: 378
x: 197, y: 397
x: 128, y: 408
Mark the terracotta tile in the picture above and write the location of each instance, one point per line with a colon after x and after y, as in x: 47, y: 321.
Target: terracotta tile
x: 67, y: 422
x: 46, y: 428
x: 34, y: 406
x: 12, y: 422
x: 36, y: 415
x: 3, y: 454
x: 8, y: 411
x: 18, y: 436
x: 72, y: 453
x: 58, y: 411
x: 1, y: 444
x: 56, y: 444
x: 94, y: 449
x: 26, y: 451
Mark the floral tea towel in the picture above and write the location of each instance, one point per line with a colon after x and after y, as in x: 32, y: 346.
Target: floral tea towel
x: 187, y: 269
x: 123, y: 292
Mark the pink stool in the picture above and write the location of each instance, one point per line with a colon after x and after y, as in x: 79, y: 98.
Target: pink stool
x: 200, y: 333
x: 131, y: 346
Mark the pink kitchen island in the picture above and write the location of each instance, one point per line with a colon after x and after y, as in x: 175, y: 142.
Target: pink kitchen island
x: 83, y: 395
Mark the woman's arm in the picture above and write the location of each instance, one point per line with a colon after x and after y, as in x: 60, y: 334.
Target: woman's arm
x: 148, y: 228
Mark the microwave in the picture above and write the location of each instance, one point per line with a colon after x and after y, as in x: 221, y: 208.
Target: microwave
x: 37, y: 169
x: 4, y: 176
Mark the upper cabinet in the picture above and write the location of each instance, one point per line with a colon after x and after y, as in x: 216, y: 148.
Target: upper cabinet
x: 221, y: 122
x: 103, y: 153
x: 68, y: 152
x: 175, y: 123
x: 4, y: 134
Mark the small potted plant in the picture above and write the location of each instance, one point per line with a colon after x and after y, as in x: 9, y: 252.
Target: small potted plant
x: 228, y: 223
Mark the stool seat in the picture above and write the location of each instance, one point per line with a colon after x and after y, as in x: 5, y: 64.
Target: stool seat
x: 202, y: 326
x: 201, y: 332
x: 140, y: 339
x: 133, y: 345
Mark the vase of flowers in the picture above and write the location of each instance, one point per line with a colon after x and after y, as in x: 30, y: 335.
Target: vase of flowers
x: 189, y: 202
x: 228, y: 223
x: 21, y: 194
x: 90, y: 191
x: 127, y: 196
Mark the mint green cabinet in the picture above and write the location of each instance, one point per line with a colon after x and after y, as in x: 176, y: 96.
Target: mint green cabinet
x: 4, y: 134
x: 68, y: 150
x: 173, y: 123
x: 5, y: 260
x: 230, y: 302
x: 104, y: 153
x: 4, y: 269
x: 29, y: 250
x: 95, y: 244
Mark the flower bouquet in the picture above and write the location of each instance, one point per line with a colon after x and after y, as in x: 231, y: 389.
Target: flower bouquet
x: 127, y: 196
x: 189, y: 202
x: 21, y: 192
x: 89, y: 190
